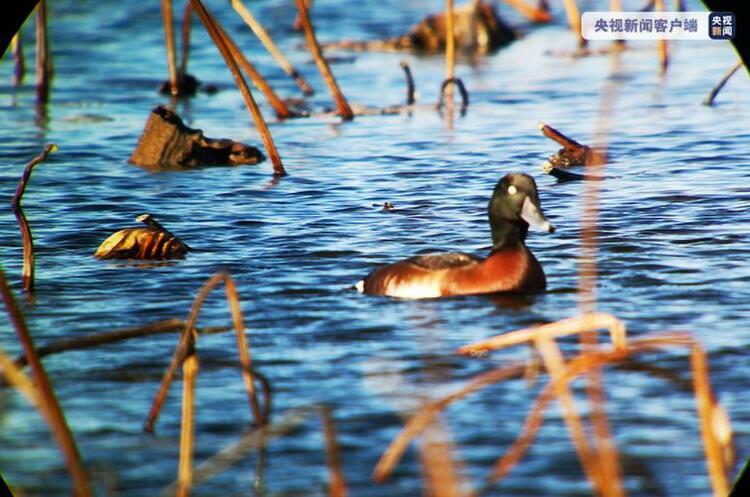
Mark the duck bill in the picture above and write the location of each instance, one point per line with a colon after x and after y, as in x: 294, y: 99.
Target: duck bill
x: 531, y: 212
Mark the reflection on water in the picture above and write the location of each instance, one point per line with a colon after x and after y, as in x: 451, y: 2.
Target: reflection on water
x: 674, y: 235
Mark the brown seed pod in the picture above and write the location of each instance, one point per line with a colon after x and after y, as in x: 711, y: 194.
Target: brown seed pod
x: 151, y: 243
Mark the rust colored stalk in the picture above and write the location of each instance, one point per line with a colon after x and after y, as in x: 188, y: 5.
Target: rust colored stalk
x: 107, y: 337
x: 713, y: 419
x: 560, y: 138
x: 337, y: 485
x: 15, y: 377
x: 278, y: 105
x: 534, y: 14
x: 28, y: 241
x: 342, y: 105
x: 267, y: 42
x: 716, y: 89
x: 185, y: 343
x: 43, y: 55
x: 574, y: 19
x: 555, y: 364
x: 185, y: 468
x: 570, y: 326
x: 663, y: 47
x: 252, y: 106
x: 186, y: 23
x: 422, y: 418
x: 48, y: 400
x: 19, y: 70
x: 576, y: 367
x: 166, y: 12
x: 450, y: 53
x: 439, y: 472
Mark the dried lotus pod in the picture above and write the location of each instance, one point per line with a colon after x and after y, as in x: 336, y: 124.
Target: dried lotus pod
x: 151, y: 243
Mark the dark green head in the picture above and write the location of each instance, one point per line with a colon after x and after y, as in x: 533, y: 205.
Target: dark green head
x: 513, y: 207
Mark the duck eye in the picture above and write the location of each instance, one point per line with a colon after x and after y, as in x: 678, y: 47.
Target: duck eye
x: 512, y: 190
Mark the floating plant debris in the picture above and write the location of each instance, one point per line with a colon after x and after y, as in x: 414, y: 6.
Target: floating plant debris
x: 166, y: 143
x: 151, y: 243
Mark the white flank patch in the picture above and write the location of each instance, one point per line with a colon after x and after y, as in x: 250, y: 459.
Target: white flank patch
x: 360, y: 286
x: 415, y: 290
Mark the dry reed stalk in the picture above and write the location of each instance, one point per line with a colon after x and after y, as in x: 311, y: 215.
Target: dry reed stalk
x: 282, y: 111
x: 15, y: 377
x: 555, y: 365
x: 560, y: 138
x: 50, y: 407
x: 187, y: 432
x: 574, y: 19
x: 186, y: 24
x: 19, y: 68
x: 267, y: 42
x: 107, y: 337
x: 448, y: 83
x: 342, y: 106
x: 166, y: 12
x: 574, y: 368
x: 43, y: 55
x: 723, y: 81
x: 337, y: 483
x: 663, y: 47
x: 450, y: 53
x: 439, y: 473
x: 184, y: 345
x: 238, y: 451
x: 534, y: 14
x: 28, y: 241
x: 252, y: 106
x: 570, y: 326
x: 422, y: 418
x: 714, y: 423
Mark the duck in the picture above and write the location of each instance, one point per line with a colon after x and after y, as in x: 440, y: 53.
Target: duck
x: 509, y: 267
x: 154, y: 242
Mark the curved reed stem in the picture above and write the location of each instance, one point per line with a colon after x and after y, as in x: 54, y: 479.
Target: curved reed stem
x: 28, y: 241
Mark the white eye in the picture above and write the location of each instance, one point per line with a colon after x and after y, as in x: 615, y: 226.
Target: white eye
x: 512, y: 190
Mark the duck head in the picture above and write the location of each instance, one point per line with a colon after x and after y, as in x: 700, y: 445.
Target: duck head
x: 513, y: 207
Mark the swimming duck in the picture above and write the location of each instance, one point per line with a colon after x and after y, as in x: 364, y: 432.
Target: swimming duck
x: 151, y: 243
x: 510, y: 266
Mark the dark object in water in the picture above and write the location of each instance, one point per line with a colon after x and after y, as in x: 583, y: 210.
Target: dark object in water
x: 510, y: 266
x: 151, y: 243
x: 478, y: 29
x: 187, y: 85
x: 166, y: 143
x: 565, y: 175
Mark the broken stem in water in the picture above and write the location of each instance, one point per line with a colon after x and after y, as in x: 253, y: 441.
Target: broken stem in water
x: 342, y: 106
x: 252, y: 106
x: 716, y: 89
x: 185, y: 343
x: 267, y: 42
x: 28, y: 241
